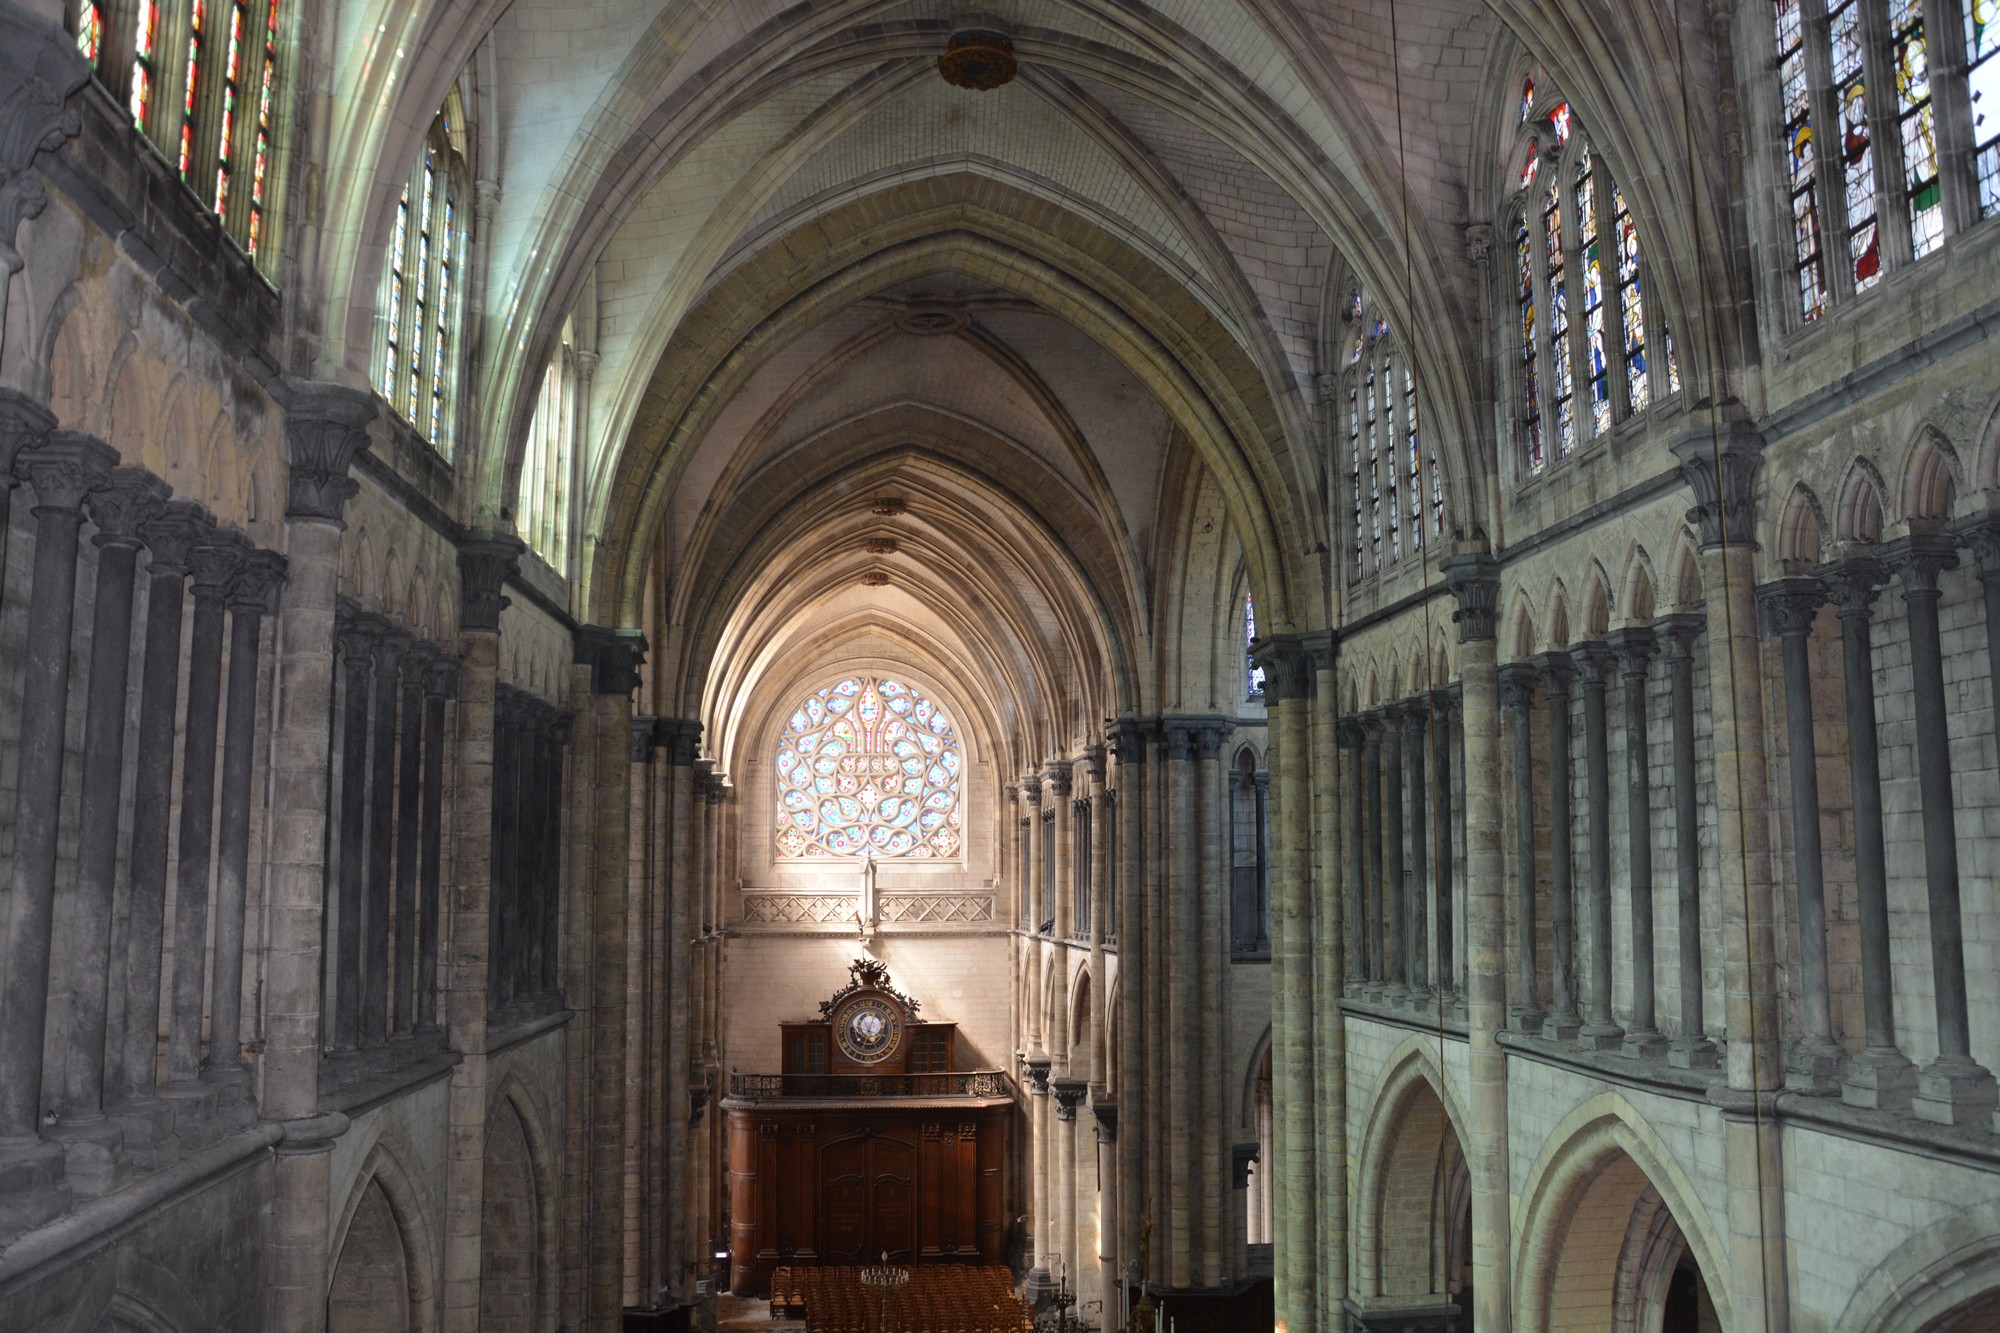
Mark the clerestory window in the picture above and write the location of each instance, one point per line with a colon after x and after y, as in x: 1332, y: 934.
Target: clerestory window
x: 542, y: 508
x: 421, y: 302
x: 1395, y: 488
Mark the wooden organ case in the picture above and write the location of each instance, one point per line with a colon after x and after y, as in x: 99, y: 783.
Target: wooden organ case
x: 870, y: 1140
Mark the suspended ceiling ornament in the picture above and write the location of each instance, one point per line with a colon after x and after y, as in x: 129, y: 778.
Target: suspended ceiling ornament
x: 881, y: 546
x: 875, y: 578
x: 977, y: 59
x: 931, y: 320
x: 888, y: 506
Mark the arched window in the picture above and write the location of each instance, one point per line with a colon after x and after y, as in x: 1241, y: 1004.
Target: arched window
x: 1903, y: 177
x: 201, y: 80
x: 1250, y: 897
x: 416, y: 358
x: 541, y: 513
x: 1395, y: 489
x: 1256, y: 673
x: 1582, y: 329
x: 868, y: 765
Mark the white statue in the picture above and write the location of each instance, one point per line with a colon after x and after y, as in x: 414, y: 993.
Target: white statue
x: 865, y: 913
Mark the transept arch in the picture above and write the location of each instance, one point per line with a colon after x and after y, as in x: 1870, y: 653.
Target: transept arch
x: 1592, y: 1176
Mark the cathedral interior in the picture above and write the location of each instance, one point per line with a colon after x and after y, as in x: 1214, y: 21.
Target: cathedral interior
x: 1202, y: 665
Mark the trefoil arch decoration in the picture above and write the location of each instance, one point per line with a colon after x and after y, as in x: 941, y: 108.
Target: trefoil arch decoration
x: 869, y: 766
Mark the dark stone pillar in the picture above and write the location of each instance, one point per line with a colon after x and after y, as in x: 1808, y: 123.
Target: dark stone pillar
x: 1377, y: 944
x: 506, y: 875
x: 119, y: 508
x: 358, y: 634
x: 62, y: 471
x: 24, y: 424
x: 1396, y: 895
x: 1981, y: 535
x: 558, y: 741
x: 1599, y: 1031
x: 1635, y: 649
x: 1416, y: 713
x: 1954, y: 1088
x: 1790, y: 606
x: 403, y: 992
x: 1349, y: 737
x: 1691, y: 1049
x: 253, y: 594
x: 1557, y: 671
x: 1517, y: 696
x: 389, y: 650
x: 1881, y: 1076
x: 1462, y: 889
x: 215, y: 565
x: 1447, y: 967
x: 171, y: 538
x: 440, y: 683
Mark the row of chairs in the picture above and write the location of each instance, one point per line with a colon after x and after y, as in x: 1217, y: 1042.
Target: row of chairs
x: 939, y: 1298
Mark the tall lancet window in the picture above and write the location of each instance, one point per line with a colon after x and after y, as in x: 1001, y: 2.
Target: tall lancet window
x: 869, y: 765
x: 1582, y: 330
x: 542, y: 510
x: 421, y: 303
x: 1396, y: 491
x: 1256, y: 673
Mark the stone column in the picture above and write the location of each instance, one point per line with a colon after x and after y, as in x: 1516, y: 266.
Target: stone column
x: 1691, y: 1049
x: 684, y: 747
x: 1981, y: 535
x: 119, y: 508
x: 1396, y: 889
x: 357, y: 635
x: 484, y: 566
x: 170, y: 537
x: 615, y: 676
x: 1953, y: 1088
x: 404, y: 996
x: 1790, y: 606
x: 1100, y: 915
x: 324, y: 428
x: 1042, y: 1235
x: 62, y: 471
x: 1183, y: 977
x: 1719, y: 461
x: 1036, y: 865
x: 1600, y: 1031
x: 1288, y: 693
x: 1062, y: 893
x: 1516, y: 685
x: 1634, y: 648
x: 24, y: 424
x: 1475, y: 585
x: 1372, y: 893
x: 1127, y: 743
x: 1211, y: 1121
x: 1351, y: 738
x: 253, y: 594
x: 1456, y: 697
x: 1416, y: 712
x: 1439, y: 705
x: 1159, y: 964
x: 503, y: 879
x: 389, y: 649
x: 1330, y: 900
x: 1557, y: 671
x: 440, y: 685
x: 1881, y: 1076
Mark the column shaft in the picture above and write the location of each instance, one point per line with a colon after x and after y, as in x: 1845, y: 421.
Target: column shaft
x: 1517, y: 687
x: 403, y: 999
x: 1635, y: 649
x: 1557, y: 672
x: 1600, y: 1031
x: 1691, y: 1049
x: 1395, y: 904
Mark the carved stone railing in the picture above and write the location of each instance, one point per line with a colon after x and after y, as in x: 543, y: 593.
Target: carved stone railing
x: 929, y: 908
x: 972, y: 1083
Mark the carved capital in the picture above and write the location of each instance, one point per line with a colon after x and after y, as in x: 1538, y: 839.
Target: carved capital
x: 1093, y: 758
x: 1240, y: 1158
x: 484, y: 566
x: 1474, y: 581
x: 254, y: 589
x: 1105, y: 1111
x: 1182, y: 739
x: 1208, y: 740
x: 1478, y: 242
x: 1918, y: 560
x: 441, y: 677
x: 640, y: 747
x: 1036, y: 1065
x: 1348, y: 735
x: 1790, y: 605
x: 357, y: 635
x: 1980, y: 534
x: 685, y: 742
x: 40, y: 68
x: 1069, y: 1094
x: 1720, y: 466
x: 1852, y: 585
x: 1557, y: 671
x: 1593, y: 658
x: 215, y: 562
x: 1678, y: 633
x: 24, y: 424
x: 1635, y: 647
x: 128, y: 497
x: 1322, y: 649
x: 1127, y: 740
x: 172, y: 533
x: 1287, y: 674
x: 1060, y: 779
x: 326, y: 425
x: 69, y: 466
x: 1517, y: 686
x: 613, y: 657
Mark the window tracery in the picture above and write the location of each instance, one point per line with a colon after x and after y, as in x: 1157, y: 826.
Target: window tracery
x: 868, y: 766
x: 1906, y: 176
x: 1256, y: 672
x: 541, y: 513
x: 416, y: 361
x: 1395, y: 489
x: 201, y: 79
x: 1582, y: 331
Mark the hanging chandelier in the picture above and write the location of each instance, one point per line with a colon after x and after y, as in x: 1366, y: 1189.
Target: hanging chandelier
x: 978, y: 59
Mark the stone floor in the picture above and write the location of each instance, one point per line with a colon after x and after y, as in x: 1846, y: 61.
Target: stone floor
x: 747, y: 1314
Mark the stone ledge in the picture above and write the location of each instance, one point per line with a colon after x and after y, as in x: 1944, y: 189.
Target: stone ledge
x: 1415, y: 1020
x: 1960, y: 1145
x: 359, y: 1082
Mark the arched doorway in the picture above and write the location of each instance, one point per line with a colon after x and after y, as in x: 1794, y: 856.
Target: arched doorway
x: 370, y: 1292
x: 509, y: 1259
x: 1415, y: 1237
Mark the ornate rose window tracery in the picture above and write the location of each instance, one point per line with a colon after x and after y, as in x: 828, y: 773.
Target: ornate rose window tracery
x: 869, y: 765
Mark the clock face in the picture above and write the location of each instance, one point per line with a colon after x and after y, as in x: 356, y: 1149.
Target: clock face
x: 868, y: 1029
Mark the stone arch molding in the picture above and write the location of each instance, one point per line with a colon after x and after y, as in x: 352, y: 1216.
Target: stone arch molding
x: 1246, y: 1118
x: 1412, y: 1067
x: 515, y: 1092
x: 1938, y: 1269
x: 387, y: 1163
x: 1578, y: 1149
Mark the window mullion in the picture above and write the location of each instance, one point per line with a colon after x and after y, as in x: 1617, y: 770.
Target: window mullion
x: 1576, y: 295
x: 1944, y: 26
x: 1836, y: 248
x: 1615, y: 379
x: 1892, y: 216
x: 413, y: 350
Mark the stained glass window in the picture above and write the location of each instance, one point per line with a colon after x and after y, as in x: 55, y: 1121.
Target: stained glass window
x: 1531, y: 402
x: 1559, y: 121
x: 1598, y: 382
x: 145, y: 37
x: 1631, y: 304
x: 541, y: 514
x: 232, y: 83
x: 1915, y: 119
x: 191, y: 86
x: 1376, y: 547
x: 1532, y: 165
x: 1527, y: 101
x: 416, y: 361
x: 1354, y: 453
x: 1561, y: 375
x: 1803, y: 160
x: 1857, y: 150
x: 868, y: 765
x: 1256, y: 673
x: 1396, y: 489
x: 1413, y: 458
x: 1982, y: 73
x: 89, y: 31
x: 260, y: 162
